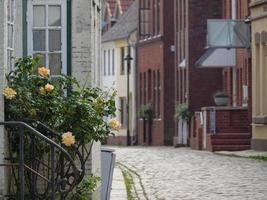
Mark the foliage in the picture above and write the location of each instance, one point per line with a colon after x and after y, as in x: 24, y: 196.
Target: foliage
x: 146, y: 111
x: 60, y: 103
x: 80, y: 112
x: 182, y: 112
x: 85, y: 188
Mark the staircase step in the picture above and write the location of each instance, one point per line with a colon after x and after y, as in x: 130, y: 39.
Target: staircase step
x: 235, y: 141
x: 230, y: 147
x: 231, y: 136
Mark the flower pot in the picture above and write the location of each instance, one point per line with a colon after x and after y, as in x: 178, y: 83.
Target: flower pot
x: 221, y: 100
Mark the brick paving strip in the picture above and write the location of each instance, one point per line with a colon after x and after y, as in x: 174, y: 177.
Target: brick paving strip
x: 118, y: 191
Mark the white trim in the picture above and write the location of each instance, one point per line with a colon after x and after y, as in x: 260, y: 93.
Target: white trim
x: 63, y: 29
x: 11, y: 12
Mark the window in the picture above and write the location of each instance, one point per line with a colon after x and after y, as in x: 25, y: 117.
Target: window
x: 105, y: 63
x: 11, y: 33
x: 154, y: 5
x: 109, y: 62
x: 122, y: 61
x: 158, y: 16
x: 154, y: 93
x: 159, y: 94
x: 113, y: 61
x: 144, y: 13
x: 47, y: 33
x: 123, y: 110
x: 145, y: 88
x: 129, y: 53
x: 149, y: 85
x: 141, y: 88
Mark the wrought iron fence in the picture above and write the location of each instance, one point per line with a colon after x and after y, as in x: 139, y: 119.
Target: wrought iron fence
x: 40, y: 166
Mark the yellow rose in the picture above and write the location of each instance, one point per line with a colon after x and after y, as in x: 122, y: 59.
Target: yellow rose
x: 43, y: 71
x: 49, y: 87
x: 68, y: 139
x: 9, y: 93
x: 42, y: 90
x: 114, y: 124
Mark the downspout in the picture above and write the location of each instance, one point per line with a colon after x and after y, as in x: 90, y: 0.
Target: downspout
x: 234, y: 75
x: 136, y: 78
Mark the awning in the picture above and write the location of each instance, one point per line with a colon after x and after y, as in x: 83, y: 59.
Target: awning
x: 228, y: 33
x: 216, y: 58
x: 182, y: 64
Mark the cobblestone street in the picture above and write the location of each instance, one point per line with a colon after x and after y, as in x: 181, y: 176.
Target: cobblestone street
x: 184, y: 174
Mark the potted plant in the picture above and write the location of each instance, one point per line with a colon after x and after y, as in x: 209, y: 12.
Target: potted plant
x: 182, y: 112
x: 221, y: 98
x: 146, y: 111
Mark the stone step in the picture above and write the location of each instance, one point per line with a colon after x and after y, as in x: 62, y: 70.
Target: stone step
x: 230, y: 147
x: 231, y: 136
x: 233, y: 141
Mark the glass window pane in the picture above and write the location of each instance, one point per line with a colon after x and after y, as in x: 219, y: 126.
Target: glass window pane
x: 39, y: 40
x: 8, y: 11
x: 12, y: 4
x: 54, y: 40
x: 55, y: 64
x: 10, y: 36
x: 54, y: 17
x: 38, y: 16
x: 42, y: 61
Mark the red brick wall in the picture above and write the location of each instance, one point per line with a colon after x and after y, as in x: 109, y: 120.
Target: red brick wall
x: 202, y: 83
x: 243, y: 57
x: 196, y: 136
x: 194, y: 85
x: 232, y: 121
x: 154, y: 54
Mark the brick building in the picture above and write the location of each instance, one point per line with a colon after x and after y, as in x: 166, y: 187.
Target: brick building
x: 228, y: 127
x: 193, y: 86
x: 156, y: 71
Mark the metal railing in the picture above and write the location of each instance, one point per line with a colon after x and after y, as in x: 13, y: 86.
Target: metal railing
x: 57, y: 183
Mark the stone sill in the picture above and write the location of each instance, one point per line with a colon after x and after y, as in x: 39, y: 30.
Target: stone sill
x: 223, y: 108
x: 260, y: 119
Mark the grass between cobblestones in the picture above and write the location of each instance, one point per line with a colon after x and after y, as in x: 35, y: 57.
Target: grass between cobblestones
x: 259, y: 157
x: 128, y: 180
x: 262, y: 158
x: 131, y: 185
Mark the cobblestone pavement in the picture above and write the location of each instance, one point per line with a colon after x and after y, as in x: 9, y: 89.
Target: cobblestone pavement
x: 184, y: 174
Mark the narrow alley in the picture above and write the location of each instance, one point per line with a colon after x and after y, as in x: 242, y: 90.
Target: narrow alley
x: 168, y: 173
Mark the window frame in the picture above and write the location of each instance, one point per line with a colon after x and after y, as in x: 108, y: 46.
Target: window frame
x: 63, y: 28
x: 10, y: 22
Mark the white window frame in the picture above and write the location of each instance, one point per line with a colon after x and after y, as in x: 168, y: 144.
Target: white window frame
x: 11, y: 23
x: 63, y: 27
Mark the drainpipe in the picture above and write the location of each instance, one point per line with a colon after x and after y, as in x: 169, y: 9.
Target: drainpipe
x: 234, y: 75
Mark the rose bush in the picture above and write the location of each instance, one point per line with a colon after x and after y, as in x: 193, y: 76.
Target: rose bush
x: 60, y: 103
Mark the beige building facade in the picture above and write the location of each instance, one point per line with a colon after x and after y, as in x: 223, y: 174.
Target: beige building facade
x: 259, y: 73
x: 118, y: 43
